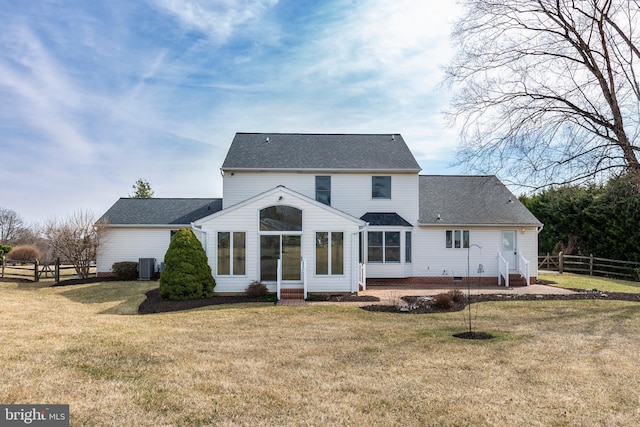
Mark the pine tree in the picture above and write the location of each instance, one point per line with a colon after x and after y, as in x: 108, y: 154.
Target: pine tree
x: 187, y: 274
x: 142, y: 189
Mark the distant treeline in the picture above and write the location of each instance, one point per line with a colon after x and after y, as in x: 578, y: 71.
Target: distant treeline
x: 603, y: 220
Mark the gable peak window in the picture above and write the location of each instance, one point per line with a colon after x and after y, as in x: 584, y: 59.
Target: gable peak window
x: 281, y: 218
x: 381, y: 187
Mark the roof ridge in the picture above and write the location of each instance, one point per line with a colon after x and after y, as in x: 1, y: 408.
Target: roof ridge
x: 170, y: 198
x: 317, y: 133
x: 457, y: 176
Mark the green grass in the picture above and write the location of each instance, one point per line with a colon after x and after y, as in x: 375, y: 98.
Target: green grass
x: 577, y: 281
x: 552, y: 362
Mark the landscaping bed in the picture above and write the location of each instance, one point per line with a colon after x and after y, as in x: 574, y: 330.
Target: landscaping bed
x: 425, y: 305
x: 155, y: 304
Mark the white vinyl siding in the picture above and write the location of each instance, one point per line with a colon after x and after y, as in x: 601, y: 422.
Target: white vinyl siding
x: 434, y: 260
x: 350, y: 192
x: 246, y: 218
x: 131, y: 244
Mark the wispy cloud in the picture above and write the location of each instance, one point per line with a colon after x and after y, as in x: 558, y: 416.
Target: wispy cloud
x: 217, y: 19
x: 42, y: 94
x: 156, y: 89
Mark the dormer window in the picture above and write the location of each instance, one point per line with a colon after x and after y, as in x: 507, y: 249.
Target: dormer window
x: 381, y: 187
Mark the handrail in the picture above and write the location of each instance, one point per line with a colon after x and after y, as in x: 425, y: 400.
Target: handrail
x: 303, y: 266
x: 362, y: 276
x: 523, y: 267
x: 278, y: 278
x: 504, y: 272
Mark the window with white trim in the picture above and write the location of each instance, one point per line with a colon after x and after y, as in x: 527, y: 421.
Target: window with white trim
x: 383, y: 246
x: 380, y: 187
x: 457, y: 239
x: 323, y: 189
x: 329, y: 253
x: 231, y: 253
x: 407, y: 247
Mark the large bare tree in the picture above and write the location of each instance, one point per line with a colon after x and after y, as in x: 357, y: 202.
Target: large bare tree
x: 11, y: 226
x: 76, y: 239
x: 547, y: 91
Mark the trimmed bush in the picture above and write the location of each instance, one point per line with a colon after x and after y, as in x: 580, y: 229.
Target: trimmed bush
x: 256, y: 289
x: 186, y: 274
x: 24, y: 253
x: 457, y: 296
x: 4, y: 249
x: 444, y: 301
x: 125, y: 270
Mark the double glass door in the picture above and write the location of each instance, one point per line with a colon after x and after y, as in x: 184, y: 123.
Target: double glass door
x: 280, y: 246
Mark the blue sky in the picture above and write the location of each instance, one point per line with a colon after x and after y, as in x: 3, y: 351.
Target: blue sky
x: 99, y: 93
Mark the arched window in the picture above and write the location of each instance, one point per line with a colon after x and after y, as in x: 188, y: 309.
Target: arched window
x: 280, y: 218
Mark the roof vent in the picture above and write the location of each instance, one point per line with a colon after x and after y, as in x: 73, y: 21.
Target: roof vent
x: 393, y: 137
x: 439, y: 219
x: 266, y: 140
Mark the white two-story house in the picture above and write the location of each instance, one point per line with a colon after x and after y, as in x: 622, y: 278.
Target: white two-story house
x: 327, y: 213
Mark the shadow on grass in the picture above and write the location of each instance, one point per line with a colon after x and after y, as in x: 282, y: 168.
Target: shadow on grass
x: 129, y: 294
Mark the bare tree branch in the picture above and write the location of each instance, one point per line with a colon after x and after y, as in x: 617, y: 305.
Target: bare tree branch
x: 547, y: 90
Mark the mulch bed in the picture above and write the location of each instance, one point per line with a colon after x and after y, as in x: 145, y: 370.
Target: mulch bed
x: 415, y: 307
x: 155, y: 304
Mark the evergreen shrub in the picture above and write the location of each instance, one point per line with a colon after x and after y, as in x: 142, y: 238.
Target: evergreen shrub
x: 125, y: 270
x: 186, y: 273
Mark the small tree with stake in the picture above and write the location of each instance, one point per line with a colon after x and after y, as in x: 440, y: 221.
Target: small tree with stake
x: 471, y: 334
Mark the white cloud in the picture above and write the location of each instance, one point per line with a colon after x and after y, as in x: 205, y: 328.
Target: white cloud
x: 218, y: 19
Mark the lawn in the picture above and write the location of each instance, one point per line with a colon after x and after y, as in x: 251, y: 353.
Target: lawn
x: 576, y: 281
x: 551, y: 363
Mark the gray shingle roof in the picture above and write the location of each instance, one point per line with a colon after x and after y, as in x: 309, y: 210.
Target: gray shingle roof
x: 470, y: 200
x: 385, y: 218
x: 319, y: 152
x: 156, y: 211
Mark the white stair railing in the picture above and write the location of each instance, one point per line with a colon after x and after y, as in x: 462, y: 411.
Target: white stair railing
x: 362, y: 276
x: 303, y: 266
x: 279, y: 278
x: 523, y: 267
x: 503, y: 269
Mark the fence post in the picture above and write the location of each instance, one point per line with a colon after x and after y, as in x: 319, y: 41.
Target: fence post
x: 3, y: 261
x: 590, y: 264
x: 36, y: 276
x: 57, y: 271
x: 560, y: 262
x: 548, y: 259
